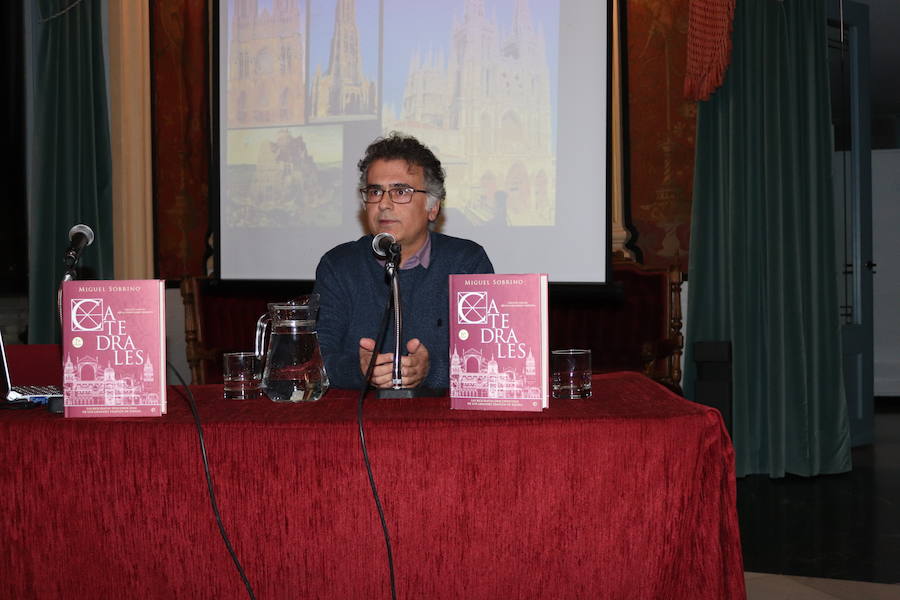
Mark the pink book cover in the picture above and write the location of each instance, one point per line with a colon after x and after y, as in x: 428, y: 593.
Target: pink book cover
x: 498, y: 342
x: 114, y: 348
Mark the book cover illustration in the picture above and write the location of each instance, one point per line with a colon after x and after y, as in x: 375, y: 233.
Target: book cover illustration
x: 114, y: 348
x: 498, y: 342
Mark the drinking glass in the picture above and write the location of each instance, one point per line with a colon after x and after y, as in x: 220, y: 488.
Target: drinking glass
x: 242, y: 375
x: 570, y: 373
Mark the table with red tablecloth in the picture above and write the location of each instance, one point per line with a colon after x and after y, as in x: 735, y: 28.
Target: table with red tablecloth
x: 630, y: 494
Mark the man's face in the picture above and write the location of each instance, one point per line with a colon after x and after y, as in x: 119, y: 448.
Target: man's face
x: 406, y: 222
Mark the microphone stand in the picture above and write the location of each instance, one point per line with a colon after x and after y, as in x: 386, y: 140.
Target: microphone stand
x: 57, y: 405
x: 69, y: 275
x: 390, y: 266
x: 393, y: 259
x: 397, y: 390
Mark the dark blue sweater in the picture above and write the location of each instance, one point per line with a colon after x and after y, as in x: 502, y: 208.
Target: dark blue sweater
x: 354, y: 291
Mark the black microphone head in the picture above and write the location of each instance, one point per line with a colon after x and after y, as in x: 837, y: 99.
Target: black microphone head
x: 84, y: 230
x: 382, y: 242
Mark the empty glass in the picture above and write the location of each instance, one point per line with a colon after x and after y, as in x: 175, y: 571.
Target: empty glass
x: 570, y: 373
x: 242, y: 375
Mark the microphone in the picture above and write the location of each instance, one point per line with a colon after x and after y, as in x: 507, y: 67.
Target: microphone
x: 385, y: 243
x: 80, y: 237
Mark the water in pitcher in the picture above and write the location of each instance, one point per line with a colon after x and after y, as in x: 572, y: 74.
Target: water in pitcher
x: 294, y: 369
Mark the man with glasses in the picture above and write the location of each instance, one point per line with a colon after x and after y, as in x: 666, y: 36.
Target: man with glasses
x: 401, y: 187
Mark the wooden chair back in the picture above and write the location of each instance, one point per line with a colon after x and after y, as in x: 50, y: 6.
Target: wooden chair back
x: 635, y: 328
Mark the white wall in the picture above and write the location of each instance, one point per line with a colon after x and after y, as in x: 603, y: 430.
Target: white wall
x: 886, y: 254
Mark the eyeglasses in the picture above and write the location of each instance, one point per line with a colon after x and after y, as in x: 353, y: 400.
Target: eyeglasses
x: 399, y: 195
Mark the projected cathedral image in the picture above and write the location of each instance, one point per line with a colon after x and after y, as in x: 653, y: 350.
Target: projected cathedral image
x: 343, y: 89
x: 278, y: 174
x: 483, y: 103
x: 310, y: 83
x: 267, y: 64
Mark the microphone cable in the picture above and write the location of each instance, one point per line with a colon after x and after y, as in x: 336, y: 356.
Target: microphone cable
x: 365, y: 451
x: 209, y: 483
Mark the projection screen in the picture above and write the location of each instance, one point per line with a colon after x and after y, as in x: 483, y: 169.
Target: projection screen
x: 511, y: 95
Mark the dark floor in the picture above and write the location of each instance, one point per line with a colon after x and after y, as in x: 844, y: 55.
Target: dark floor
x: 836, y: 526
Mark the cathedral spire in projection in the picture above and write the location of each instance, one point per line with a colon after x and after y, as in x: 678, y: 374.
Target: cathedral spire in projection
x: 473, y: 9
x: 343, y: 89
x: 345, y: 61
x: 522, y: 19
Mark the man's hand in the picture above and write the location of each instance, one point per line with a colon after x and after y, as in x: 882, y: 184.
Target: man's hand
x: 413, y: 366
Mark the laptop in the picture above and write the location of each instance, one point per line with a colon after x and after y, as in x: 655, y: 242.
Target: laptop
x: 37, y: 394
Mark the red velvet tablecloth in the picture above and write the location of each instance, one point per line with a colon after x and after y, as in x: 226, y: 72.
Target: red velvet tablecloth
x: 628, y: 495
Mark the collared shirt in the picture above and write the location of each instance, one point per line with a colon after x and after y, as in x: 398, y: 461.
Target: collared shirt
x: 422, y: 257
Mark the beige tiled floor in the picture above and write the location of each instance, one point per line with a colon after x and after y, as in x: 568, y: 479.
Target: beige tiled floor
x: 765, y: 586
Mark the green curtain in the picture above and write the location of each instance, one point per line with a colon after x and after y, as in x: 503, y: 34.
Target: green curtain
x: 71, y: 175
x: 763, y: 264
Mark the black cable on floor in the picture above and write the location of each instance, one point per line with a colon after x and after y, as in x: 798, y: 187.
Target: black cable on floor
x: 209, y: 483
x: 365, y: 451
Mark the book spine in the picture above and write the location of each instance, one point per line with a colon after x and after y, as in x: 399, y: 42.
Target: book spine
x: 164, y: 368
x: 545, y: 343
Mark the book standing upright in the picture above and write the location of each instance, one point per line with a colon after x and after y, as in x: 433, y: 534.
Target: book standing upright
x: 499, y: 342
x: 114, y: 348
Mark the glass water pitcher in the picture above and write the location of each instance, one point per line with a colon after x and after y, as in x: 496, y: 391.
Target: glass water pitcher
x: 293, y: 369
